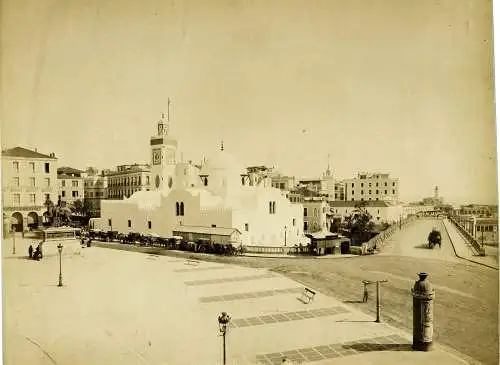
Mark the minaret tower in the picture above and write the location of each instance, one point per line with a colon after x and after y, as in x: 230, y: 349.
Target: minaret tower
x: 163, y: 155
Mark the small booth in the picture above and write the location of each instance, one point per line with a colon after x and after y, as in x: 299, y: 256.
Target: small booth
x: 327, y: 243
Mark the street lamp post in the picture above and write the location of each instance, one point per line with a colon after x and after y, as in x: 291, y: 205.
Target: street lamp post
x: 285, y: 235
x: 378, y: 299
x: 14, y: 242
x: 224, y: 320
x: 59, y: 248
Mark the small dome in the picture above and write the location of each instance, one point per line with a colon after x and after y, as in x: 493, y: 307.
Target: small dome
x: 222, y: 160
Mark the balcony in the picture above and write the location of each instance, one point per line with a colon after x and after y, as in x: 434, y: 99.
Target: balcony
x: 23, y: 207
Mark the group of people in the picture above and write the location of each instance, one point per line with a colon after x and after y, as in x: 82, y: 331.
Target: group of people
x: 36, y: 254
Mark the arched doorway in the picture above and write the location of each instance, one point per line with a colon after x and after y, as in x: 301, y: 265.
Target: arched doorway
x: 32, y: 220
x: 17, y: 222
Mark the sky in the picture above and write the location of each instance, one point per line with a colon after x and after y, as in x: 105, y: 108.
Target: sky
x: 397, y: 86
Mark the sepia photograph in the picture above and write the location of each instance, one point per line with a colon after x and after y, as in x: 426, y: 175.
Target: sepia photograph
x: 249, y: 182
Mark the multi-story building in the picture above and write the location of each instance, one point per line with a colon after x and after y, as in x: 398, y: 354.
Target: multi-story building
x: 316, y: 214
x: 339, y: 190
x: 71, y: 185
x: 313, y: 185
x: 372, y: 186
x: 478, y: 210
x: 29, y: 178
x: 127, y: 179
x: 96, y: 189
x: 283, y: 182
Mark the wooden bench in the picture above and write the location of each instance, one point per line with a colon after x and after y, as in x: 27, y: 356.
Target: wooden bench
x: 308, y: 295
x: 192, y: 262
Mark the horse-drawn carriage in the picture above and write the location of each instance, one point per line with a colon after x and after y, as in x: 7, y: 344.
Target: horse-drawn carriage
x: 434, y: 238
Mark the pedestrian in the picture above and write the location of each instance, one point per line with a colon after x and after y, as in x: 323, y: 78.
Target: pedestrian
x: 30, y: 251
x: 37, y: 255
x: 365, y: 291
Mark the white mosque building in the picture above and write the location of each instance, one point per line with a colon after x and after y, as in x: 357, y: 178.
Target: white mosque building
x: 216, y: 202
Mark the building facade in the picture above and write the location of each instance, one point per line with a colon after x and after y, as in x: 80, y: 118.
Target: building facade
x: 71, y: 185
x: 96, y: 189
x: 340, y: 190
x: 29, y: 178
x: 128, y: 179
x: 218, y: 201
x: 372, y: 186
x: 316, y: 214
x: 381, y: 211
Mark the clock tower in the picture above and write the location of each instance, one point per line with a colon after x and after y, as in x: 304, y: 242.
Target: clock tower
x: 163, y: 155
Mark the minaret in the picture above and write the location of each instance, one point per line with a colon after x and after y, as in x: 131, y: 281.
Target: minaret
x: 436, y: 193
x: 163, y: 154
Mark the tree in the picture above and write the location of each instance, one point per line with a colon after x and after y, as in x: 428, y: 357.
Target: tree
x: 77, y: 206
x: 359, y: 224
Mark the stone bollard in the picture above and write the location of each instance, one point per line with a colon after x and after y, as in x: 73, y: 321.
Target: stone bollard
x: 423, y: 314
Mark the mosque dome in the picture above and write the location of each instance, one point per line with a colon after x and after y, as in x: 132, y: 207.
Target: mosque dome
x: 222, y: 161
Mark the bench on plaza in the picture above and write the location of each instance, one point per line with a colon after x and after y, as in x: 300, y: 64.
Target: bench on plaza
x: 192, y: 262
x: 307, y: 295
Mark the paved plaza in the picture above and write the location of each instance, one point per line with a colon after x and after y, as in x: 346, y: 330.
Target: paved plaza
x: 119, y: 307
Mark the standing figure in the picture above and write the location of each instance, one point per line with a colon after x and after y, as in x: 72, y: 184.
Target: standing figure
x: 36, y: 254
x: 365, y: 291
x: 30, y: 251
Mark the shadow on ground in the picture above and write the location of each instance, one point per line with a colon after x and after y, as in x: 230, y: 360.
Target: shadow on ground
x: 367, y: 347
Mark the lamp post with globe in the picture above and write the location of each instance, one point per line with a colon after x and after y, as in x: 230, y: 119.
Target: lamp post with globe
x: 223, y: 320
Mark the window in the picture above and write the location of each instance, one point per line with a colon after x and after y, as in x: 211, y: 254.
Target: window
x: 205, y: 182
x: 47, y: 167
x: 74, y: 193
x: 182, y: 208
x: 270, y: 207
x: 16, y: 181
x: 63, y: 183
x: 370, y: 185
x: 149, y: 224
x: 293, y: 222
x: 305, y: 212
x: 369, y: 191
x: 32, y: 198
x: 305, y: 226
x: 352, y: 193
x: 352, y: 185
x: 214, y: 225
x: 177, y: 208
x: 32, y: 182
x: 47, y: 182
x: 109, y: 223
x: 282, y: 186
x: 147, y: 180
x: 32, y: 166
x: 393, y: 183
x: 393, y: 191
x: 246, y: 227
x: 74, y: 183
x: 362, y: 192
x: 324, y: 209
x: 385, y: 192
x: 362, y: 184
x: 63, y: 193
x: 274, y: 207
x: 385, y: 184
x: 376, y: 185
x: 376, y: 191
x: 129, y: 223
x: 140, y: 183
x: 15, y: 164
x: 17, y: 199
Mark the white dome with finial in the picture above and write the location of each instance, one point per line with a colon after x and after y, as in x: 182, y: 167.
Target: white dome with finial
x: 222, y: 160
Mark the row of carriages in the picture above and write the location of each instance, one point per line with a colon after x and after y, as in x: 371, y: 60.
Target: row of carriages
x: 169, y: 243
